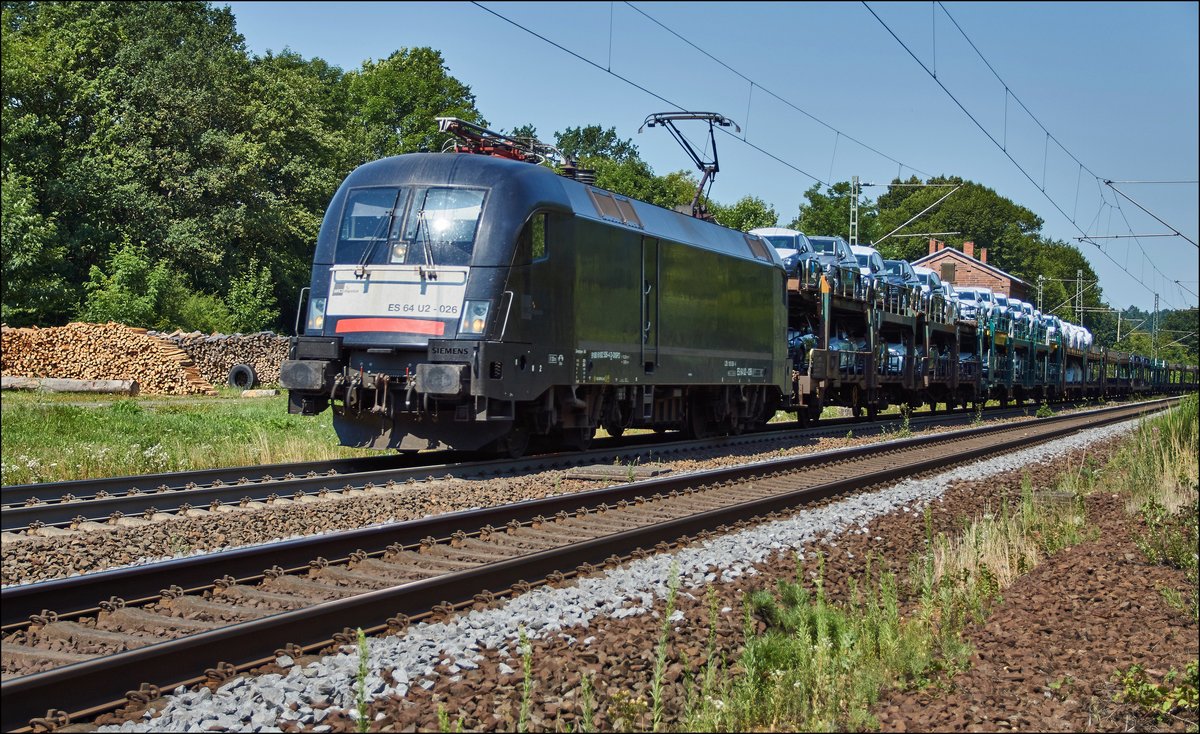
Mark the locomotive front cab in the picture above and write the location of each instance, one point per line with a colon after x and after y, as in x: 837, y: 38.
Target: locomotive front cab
x: 409, y: 284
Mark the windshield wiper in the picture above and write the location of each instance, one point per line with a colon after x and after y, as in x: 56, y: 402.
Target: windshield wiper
x: 426, y: 245
x: 361, y: 270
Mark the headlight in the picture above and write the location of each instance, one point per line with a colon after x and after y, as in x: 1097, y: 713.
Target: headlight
x: 316, y: 315
x: 474, y: 318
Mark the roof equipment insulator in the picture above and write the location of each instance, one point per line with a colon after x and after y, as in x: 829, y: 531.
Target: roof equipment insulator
x: 475, y: 139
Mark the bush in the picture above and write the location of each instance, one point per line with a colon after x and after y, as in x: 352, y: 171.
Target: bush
x: 201, y: 312
x: 251, y: 299
x: 135, y: 292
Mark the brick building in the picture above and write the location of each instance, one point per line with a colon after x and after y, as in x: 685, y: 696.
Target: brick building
x: 964, y: 270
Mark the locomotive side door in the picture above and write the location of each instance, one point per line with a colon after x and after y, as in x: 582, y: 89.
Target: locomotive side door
x: 649, y: 304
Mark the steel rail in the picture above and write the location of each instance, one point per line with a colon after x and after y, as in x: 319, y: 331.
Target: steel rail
x: 19, y: 494
x: 15, y: 495
x: 103, y: 682
x: 137, y: 583
x: 100, y: 509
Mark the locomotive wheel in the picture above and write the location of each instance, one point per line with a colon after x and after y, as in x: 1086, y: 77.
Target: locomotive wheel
x: 697, y: 424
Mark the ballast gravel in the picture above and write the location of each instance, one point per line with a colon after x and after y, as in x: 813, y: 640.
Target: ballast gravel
x: 308, y: 694
x: 31, y: 558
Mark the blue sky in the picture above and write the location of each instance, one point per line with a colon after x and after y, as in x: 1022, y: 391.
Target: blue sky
x: 1115, y: 84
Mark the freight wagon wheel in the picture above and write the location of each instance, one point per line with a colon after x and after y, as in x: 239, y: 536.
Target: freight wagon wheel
x: 512, y: 445
x: 242, y: 376
x: 577, y: 439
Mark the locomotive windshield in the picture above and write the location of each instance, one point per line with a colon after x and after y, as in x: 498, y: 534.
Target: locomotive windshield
x: 409, y: 226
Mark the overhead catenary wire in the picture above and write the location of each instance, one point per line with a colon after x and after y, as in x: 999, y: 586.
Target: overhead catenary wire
x: 1049, y: 136
x: 785, y: 101
x: 641, y: 88
x: 997, y: 143
x: 1109, y: 184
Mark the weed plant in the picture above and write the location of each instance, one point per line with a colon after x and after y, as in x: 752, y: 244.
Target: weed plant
x: 587, y: 704
x: 819, y: 666
x: 660, y: 654
x: 1164, y: 701
x: 362, y: 723
x: 978, y: 419
x: 526, y: 679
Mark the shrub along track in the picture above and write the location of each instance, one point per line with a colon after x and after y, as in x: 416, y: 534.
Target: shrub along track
x: 54, y: 508
x: 447, y: 557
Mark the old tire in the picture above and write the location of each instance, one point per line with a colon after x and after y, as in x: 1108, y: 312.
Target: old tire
x: 242, y: 376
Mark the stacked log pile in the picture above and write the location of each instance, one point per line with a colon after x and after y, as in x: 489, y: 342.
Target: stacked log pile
x: 101, y: 352
x: 216, y: 354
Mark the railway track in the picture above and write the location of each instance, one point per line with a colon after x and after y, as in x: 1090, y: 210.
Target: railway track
x: 170, y: 623
x: 54, y: 508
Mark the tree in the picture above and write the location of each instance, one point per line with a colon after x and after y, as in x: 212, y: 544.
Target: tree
x: 595, y: 142
x: 828, y: 214
x: 978, y: 213
x: 33, y: 287
x: 127, y: 119
x: 298, y: 116
x: 396, y: 100
x: 747, y: 213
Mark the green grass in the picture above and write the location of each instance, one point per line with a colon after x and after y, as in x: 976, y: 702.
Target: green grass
x: 59, y: 437
x: 820, y: 666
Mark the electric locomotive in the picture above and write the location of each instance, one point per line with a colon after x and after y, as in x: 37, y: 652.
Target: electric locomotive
x: 475, y: 301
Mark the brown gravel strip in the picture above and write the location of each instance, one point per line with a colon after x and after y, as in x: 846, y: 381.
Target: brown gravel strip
x: 1045, y: 657
x: 618, y: 655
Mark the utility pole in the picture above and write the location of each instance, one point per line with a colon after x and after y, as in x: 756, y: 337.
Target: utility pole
x: 1079, y: 296
x: 1041, y: 281
x: 853, y: 211
x: 1154, y: 330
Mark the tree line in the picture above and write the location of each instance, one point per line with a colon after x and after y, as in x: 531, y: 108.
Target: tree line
x: 156, y: 173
